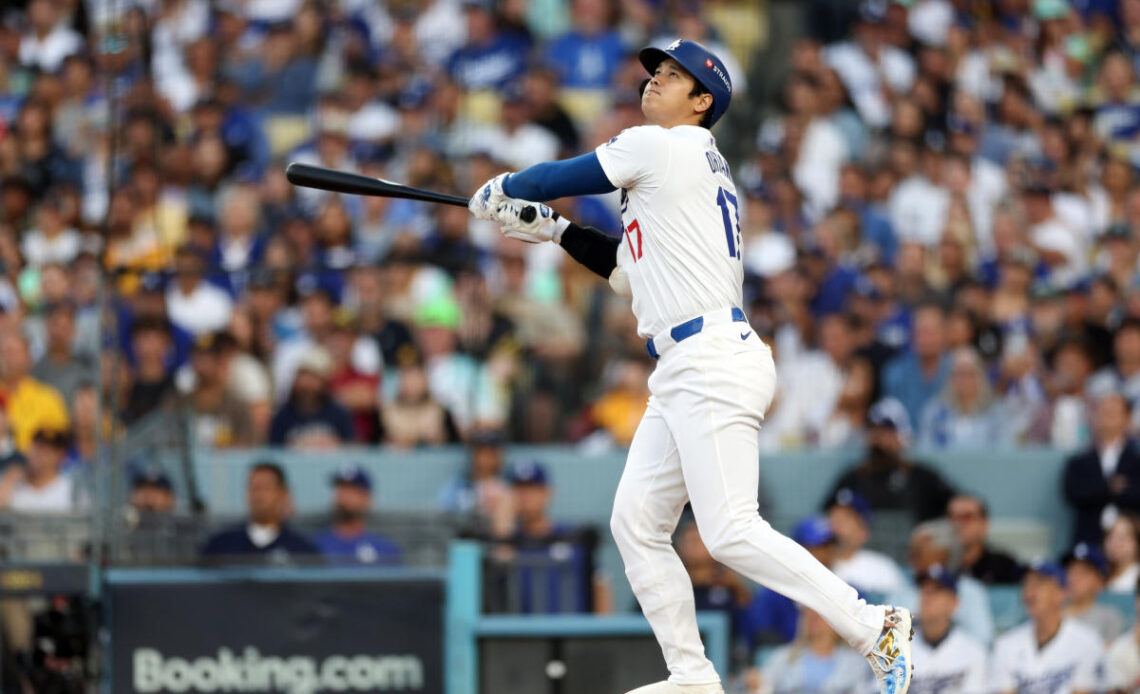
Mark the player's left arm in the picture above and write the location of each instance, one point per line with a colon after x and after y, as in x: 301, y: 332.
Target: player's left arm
x: 582, y: 175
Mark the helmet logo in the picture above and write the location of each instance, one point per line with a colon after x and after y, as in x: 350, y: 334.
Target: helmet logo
x: 674, y: 46
x: 708, y: 63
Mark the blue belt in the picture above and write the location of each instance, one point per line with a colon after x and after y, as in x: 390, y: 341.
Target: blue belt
x: 688, y: 329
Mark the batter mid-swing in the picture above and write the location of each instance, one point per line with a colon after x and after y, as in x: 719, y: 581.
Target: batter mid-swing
x: 679, y: 259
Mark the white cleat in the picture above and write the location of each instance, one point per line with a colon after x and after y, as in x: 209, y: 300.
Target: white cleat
x: 670, y: 688
x: 890, y: 657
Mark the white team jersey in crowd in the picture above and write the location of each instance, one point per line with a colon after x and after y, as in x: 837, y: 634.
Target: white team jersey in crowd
x: 1122, y: 665
x: 957, y: 665
x: 1071, y: 662
x: 681, y: 221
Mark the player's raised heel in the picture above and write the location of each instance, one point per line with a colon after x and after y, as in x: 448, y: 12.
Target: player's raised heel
x: 890, y: 657
x: 670, y: 688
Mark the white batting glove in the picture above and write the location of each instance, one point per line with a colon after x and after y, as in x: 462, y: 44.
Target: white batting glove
x: 547, y: 224
x: 485, y: 202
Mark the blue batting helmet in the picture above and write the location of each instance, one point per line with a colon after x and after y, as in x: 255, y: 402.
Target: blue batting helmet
x: 706, y: 68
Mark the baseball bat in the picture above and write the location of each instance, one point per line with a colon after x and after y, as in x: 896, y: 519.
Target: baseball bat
x: 336, y: 181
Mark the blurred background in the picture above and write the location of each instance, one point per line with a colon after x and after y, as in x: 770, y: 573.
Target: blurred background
x: 248, y: 429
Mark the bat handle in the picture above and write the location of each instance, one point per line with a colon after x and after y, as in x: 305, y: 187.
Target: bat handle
x: 528, y: 214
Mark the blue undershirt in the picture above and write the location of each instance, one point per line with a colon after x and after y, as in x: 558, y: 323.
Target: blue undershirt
x: 582, y: 175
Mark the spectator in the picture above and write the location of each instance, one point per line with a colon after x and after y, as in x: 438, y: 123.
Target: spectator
x: 414, y: 418
x: 619, y: 410
x: 1066, y: 414
x: 850, y: 517
x: 30, y: 404
x: 1106, y: 478
x: 49, y: 39
x: 970, y: 518
x: 52, y: 241
x: 771, y: 618
x: 1122, y: 549
x: 311, y: 419
x: 152, y: 492
x: 965, y: 414
x: 1049, y: 647
x: 194, y: 304
x: 355, y: 391
x: 1123, y: 376
x: 1122, y: 663
x: 915, y: 378
x: 715, y: 587
x: 151, y: 381
x: 588, y: 55
x: 568, y: 584
x: 39, y: 486
x: 946, y: 658
x: 816, y: 661
x: 885, y: 478
x: 266, y: 536
x: 1085, y: 572
x: 220, y: 420
x: 481, y: 490
x: 349, y: 541
x: 931, y: 544
x: 491, y: 58
x: 62, y: 367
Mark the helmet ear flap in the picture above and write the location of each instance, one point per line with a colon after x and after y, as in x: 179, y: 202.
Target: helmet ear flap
x: 641, y: 88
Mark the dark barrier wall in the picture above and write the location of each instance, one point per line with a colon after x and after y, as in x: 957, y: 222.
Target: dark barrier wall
x: 284, y: 636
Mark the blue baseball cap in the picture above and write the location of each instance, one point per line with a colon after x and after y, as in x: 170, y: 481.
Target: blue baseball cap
x: 353, y: 475
x: 706, y: 68
x: 528, y: 472
x: 939, y: 574
x: 1089, y: 554
x: 854, y: 501
x: 1049, y: 569
x: 813, y: 531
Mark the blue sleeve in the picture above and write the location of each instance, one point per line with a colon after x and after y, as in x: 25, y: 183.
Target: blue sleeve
x: 582, y: 175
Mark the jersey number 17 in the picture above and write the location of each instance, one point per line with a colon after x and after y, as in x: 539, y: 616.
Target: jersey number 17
x: 723, y: 197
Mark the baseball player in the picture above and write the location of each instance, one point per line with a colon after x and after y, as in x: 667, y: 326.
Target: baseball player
x: 1051, y: 652
x: 679, y: 259
x: 947, y: 660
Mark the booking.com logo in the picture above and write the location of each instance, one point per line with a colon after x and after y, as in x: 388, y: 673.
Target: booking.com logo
x: 252, y: 672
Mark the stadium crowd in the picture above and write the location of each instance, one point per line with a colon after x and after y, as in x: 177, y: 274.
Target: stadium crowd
x: 941, y: 243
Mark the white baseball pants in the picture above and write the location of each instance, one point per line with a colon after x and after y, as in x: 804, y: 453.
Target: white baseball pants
x: 698, y: 443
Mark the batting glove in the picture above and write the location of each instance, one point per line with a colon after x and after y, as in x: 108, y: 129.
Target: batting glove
x: 485, y: 202
x: 547, y: 224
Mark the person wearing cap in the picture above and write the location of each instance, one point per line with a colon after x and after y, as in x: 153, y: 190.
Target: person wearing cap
x: 946, y: 658
x: 348, y: 540
x: 850, y: 517
x: 970, y: 517
x: 152, y: 491
x: 567, y: 583
x: 39, y: 485
x: 1050, y: 652
x: 1122, y: 662
x: 932, y: 543
x: 888, y: 480
x: 311, y: 418
x: 266, y: 536
x: 1086, y: 571
x: 481, y: 490
x: 219, y: 418
x: 30, y: 404
x: 194, y: 304
x: 679, y: 202
x: 1105, y: 479
x: 771, y: 618
x: 516, y: 140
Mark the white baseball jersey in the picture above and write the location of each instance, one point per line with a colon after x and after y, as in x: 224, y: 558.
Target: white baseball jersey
x: 681, y: 221
x: 1071, y: 662
x: 956, y: 665
x: 1122, y: 666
